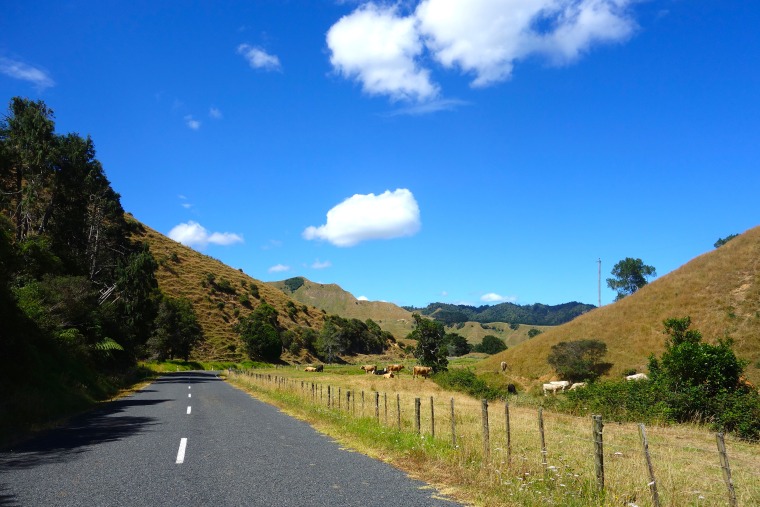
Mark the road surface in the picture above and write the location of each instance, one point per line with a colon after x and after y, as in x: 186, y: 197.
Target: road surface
x: 190, y: 439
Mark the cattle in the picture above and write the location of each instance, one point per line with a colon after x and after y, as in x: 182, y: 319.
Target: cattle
x: 422, y: 371
x: 369, y: 368
x: 309, y: 368
x: 388, y: 375
x: 320, y: 367
x: 577, y: 385
x: 637, y: 376
x: 503, y: 366
x: 551, y: 387
x: 395, y: 367
x: 511, y: 389
x: 380, y: 372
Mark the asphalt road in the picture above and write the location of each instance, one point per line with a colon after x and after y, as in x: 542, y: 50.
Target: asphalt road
x: 236, y: 451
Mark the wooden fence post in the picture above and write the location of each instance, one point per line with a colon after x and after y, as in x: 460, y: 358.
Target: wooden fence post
x: 453, y: 426
x: 377, y: 406
x: 362, y: 403
x: 339, y: 396
x: 652, y: 481
x: 385, y: 401
x: 432, y: 418
x: 486, y: 435
x: 509, y: 434
x: 541, y: 433
x: 329, y: 399
x: 417, y: 415
x: 726, y: 469
x: 398, y: 410
x: 597, y: 427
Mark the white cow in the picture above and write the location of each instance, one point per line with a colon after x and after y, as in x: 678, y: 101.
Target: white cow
x: 577, y: 385
x: 637, y: 376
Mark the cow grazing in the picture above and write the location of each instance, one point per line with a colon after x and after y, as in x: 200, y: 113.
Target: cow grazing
x: 320, y: 367
x: 637, y: 376
x: 577, y: 385
x: 309, y: 368
x: 503, y: 366
x: 511, y: 389
x: 369, y: 368
x: 395, y: 367
x: 388, y: 375
x: 380, y: 372
x: 551, y: 387
x: 422, y: 371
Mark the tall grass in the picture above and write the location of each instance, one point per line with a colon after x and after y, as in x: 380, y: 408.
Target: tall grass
x: 685, y: 458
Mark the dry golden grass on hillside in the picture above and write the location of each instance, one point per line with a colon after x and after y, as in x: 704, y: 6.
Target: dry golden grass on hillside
x: 183, y: 272
x: 719, y: 290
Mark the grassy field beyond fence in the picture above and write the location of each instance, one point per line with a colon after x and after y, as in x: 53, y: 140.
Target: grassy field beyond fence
x: 512, y: 469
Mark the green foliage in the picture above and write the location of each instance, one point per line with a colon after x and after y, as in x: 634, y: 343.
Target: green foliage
x: 341, y: 336
x: 514, y: 326
x: 293, y: 284
x: 431, y: 349
x: 629, y: 276
x: 261, y: 333
x: 533, y: 332
x: 491, y: 345
x: 723, y: 241
x: 579, y: 360
x: 254, y: 290
x: 536, y: 314
x: 456, y: 345
x: 177, y: 330
x: 244, y: 300
x: 464, y: 380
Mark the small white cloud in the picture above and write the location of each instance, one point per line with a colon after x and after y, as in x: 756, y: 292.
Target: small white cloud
x: 186, y: 205
x: 362, y: 298
x: 377, y: 47
x: 279, y: 268
x: 366, y: 217
x: 430, y: 107
x: 257, y: 58
x: 492, y: 297
x: 25, y: 72
x: 444, y: 293
x: 193, y: 234
x: 273, y: 243
x: 215, y: 113
x: 191, y: 122
x: 321, y: 265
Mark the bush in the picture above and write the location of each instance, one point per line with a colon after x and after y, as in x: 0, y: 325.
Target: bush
x: 491, y: 345
x: 464, y: 380
x: 579, y: 360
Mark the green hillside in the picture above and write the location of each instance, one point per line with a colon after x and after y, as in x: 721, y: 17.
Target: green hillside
x: 719, y: 290
x: 536, y: 314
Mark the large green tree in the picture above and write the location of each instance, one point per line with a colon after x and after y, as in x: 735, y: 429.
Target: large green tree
x: 431, y: 344
x: 261, y: 333
x: 579, y: 360
x: 629, y: 275
x: 177, y: 329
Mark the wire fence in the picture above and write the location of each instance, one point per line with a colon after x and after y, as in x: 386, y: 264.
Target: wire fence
x: 631, y: 465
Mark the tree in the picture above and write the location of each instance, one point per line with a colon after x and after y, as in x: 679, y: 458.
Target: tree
x: 177, y: 330
x: 629, y: 276
x: 491, y: 345
x: 431, y: 349
x: 456, y: 344
x: 723, y: 241
x: 261, y: 333
x: 579, y: 360
x: 330, y: 342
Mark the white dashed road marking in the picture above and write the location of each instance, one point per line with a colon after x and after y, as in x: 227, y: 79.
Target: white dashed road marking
x: 188, y: 410
x: 189, y: 395
x: 181, y: 452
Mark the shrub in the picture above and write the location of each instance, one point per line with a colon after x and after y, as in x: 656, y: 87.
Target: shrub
x: 579, y: 360
x: 491, y: 345
x: 464, y: 380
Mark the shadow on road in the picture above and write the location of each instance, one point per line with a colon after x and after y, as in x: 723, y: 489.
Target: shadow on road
x: 188, y: 377
x: 7, y: 499
x: 63, y: 444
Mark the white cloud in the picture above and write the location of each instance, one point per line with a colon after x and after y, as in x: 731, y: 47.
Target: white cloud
x: 192, y: 123
x: 362, y: 298
x: 279, y: 268
x: 366, y: 217
x: 25, y: 72
x: 492, y: 297
x: 273, y: 243
x: 194, y: 234
x: 385, y: 51
x: 377, y: 47
x: 257, y: 58
x: 317, y: 264
x: 215, y: 113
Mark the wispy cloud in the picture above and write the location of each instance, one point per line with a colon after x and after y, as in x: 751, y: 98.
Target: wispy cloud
x: 366, y: 217
x: 317, y: 264
x: 427, y: 107
x: 192, y: 123
x: 258, y: 58
x: 194, y: 235
x: 215, y: 113
x: 279, y: 268
x: 272, y: 243
x: 492, y: 297
x: 25, y: 72
x: 388, y: 51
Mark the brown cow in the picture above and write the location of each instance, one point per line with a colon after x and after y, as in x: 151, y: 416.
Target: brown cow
x: 369, y: 368
x: 395, y: 367
x: 320, y: 367
x: 309, y: 368
x: 422, y: 371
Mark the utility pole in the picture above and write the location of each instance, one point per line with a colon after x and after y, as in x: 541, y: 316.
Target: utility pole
x: 599, y: 283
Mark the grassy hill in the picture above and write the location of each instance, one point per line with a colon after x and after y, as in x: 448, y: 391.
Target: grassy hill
x: 219, y: 300
x: 475, y: 331
x: 719, y: 290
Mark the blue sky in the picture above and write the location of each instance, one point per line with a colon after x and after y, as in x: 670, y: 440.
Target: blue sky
x: 470, y: 151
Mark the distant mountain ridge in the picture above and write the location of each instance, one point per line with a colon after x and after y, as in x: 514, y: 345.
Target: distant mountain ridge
x: 536, y: 314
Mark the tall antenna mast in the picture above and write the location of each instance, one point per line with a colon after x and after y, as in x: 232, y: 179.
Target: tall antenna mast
x: 599, y: 283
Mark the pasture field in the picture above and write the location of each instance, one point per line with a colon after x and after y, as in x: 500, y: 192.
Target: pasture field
x: 685, y: 458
